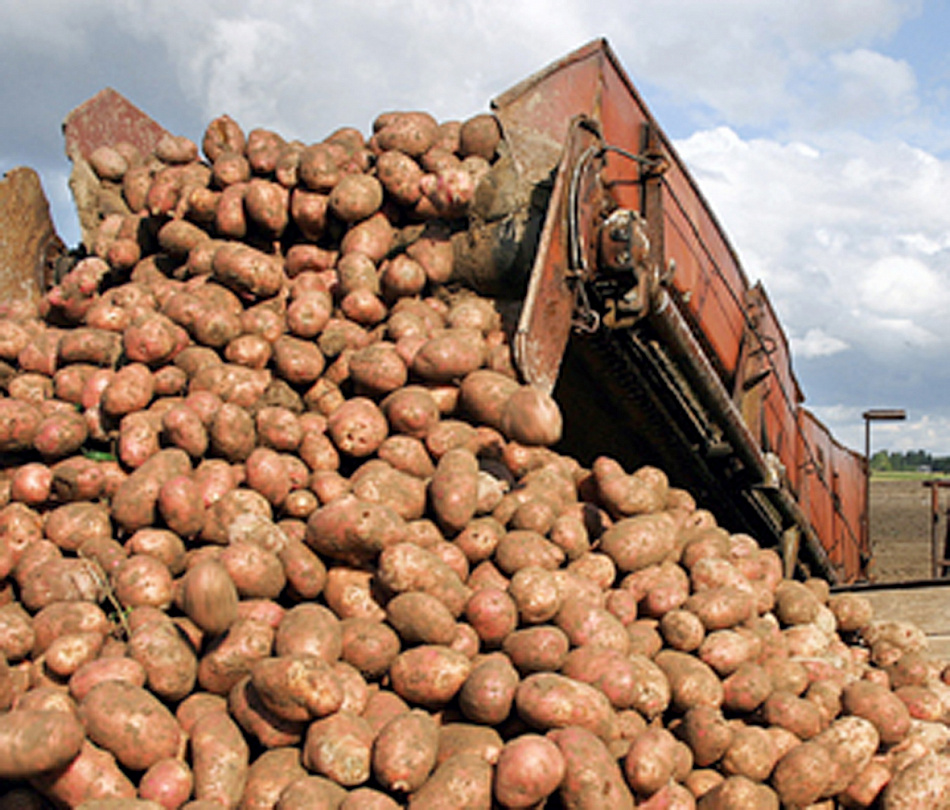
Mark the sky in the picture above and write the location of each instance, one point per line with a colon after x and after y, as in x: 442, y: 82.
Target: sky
x: 818, y: 130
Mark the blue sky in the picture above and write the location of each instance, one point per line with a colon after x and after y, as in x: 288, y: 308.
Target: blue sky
x: 818, y: 129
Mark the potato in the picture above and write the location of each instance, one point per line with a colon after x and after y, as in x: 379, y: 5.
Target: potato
x: 537, y: 649
x: 738, y: 791
x: 548, y: 701
x: 356, y: 197
x: 529, y: 769
x: 453, y: 489
x: 488, y: 693
x: 800, y: 716
x: 480, y: 136
x: 795, y: 603
x: 36, y: 741
x: 220, y: 759
x: 305, y: 572
x: 751, y: 753
x: 520, y: 549
x: 373, y: 237
x: 400, y: 176
x: 268, y: 775
x: 309, y: 629
x: 531, y: 417
x: 923, y: 783
x: 726, y: 650
x: 721, y: 608
x: 852, y: 611
x: 267, y: 206
x: 420, y: 618
x: 682, y: 630
x: 60, y: 434
x: 592, y: 776
x: 409, y: 132
x: 692, y: 683
x: 246, y: 641
x: 133, y: 504
x: 880, y: 706
x: 168, y: 782
x: 449, y: 355
x: 61, y: 580
x: 639, y: 541
x: 340, y: 748
x: 92, y: 774
x: 352, y: 530
x: 624, y: 495
x: 407, y: 567
x: 151, y: 338
x: 429, y: 675
x: 369, y: 646
x: 270, y: 730
x: 61, y: 618
x: 800, y: 776
x: 310, y: 792
x: 649, y: 763
x: 143, y: 580
x: 357, y: 427
x: 376, y: 481
x: 457, y: 780
x: 16, y: 632
x: 168, y: 660
x: 247, y: 271
x: 209, y: 596
x: 404, y: 752
x: 116, y: 713
x: 747, y: 688
x: 613, y: 673
x: 297, y: 687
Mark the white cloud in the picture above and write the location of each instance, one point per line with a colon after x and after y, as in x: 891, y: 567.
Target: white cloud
x: 752, y: 63
x: 902, y: 285
x: 817, y: 343
x: 871, y: 83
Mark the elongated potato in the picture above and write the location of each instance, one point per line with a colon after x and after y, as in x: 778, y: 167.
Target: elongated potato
x: 220, y: 759
x: 131, y: 723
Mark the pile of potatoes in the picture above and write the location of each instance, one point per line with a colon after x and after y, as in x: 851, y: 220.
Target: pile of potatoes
x: 281, y: 528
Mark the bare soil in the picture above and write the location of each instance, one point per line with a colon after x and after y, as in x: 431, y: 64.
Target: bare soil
x: 901, y: 529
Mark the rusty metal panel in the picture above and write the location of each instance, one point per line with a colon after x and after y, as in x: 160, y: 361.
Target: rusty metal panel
x: 29, y: 244
x: 782, y: 393
x: 849, y: 494
x: 815, y: 496
x: 106, y: 119
x: 832, y: 496
x: 547, y: 314
x: 535, y: 114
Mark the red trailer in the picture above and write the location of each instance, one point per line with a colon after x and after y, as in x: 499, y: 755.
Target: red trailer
x: 638, y: 315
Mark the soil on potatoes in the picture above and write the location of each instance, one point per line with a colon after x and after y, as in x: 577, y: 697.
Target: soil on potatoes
x: 901, y: 529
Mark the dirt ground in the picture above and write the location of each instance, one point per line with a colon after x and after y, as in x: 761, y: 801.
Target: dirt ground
x: 900, y: 529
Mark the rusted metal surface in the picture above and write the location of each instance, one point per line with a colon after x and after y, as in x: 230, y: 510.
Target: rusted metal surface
x: 106, y: 119
x: 940, y: 545
x: 29, y: 244
x: 549, y: 304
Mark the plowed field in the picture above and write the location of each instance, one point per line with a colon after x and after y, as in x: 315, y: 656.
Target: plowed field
x: 900, y: 529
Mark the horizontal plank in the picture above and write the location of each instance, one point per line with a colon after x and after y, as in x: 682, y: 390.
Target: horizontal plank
x: 939, y: 647
x: 924, y: 606
x: 924, y: 603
